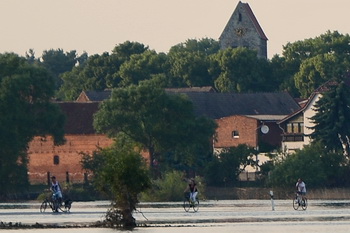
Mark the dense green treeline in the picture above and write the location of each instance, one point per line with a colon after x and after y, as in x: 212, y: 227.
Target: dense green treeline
x: 302, y: 67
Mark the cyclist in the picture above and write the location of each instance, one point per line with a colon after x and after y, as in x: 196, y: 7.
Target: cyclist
x: 301, y: 187
x: 192, y: 189
x: 57, y: 193
x: 301, y: 190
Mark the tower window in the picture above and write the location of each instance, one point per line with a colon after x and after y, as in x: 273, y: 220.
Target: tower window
x: 240, y: 17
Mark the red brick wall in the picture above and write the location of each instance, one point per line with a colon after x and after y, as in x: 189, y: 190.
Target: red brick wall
x: 41, y: 154
x: 41, y: 157
x: 246, y: 127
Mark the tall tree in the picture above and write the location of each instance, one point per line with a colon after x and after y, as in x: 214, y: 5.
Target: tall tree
x: 240, y: 70
x: 332, y: 126
x: 142, y: 66
x: 162, y: 123
x: 57, y: 62
x: 97, y: 73
x: 205, y: 46
x: 283, y: 75
x: 25, y: 112
x: 190, y: 68
x: 318, y: 59
x: 189, y: 62
x: 127, y: 49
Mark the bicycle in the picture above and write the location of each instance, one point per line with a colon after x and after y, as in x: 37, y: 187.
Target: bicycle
x: 55, y: 205
x: 188, y: 203
x: 299, y: 201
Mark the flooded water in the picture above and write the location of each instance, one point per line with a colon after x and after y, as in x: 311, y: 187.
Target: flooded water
x: 213, y: 216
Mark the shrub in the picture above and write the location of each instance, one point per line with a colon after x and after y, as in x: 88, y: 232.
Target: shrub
x: 170, y: 188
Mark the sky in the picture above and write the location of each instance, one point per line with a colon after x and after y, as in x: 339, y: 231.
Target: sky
x: 97, y: 26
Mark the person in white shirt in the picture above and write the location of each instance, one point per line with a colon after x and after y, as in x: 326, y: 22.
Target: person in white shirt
x: 301, y: 187
x: 57, y: 193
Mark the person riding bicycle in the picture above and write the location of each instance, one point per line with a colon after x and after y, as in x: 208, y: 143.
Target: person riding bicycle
x: 192, y: 190
x: 56, y: 190
x: 301, y: 187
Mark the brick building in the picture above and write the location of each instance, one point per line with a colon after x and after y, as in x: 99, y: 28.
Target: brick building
x: 46, y: 159
x: 242, y: 119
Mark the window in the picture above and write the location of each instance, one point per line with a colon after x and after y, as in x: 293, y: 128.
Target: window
x: 239, y: 17
x: 295, y: 127
x: 56, y: 159
x: 235, y: 134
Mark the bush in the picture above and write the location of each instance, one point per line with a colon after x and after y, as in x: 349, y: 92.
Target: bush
x: 170, y: 188
x: 315, y: 166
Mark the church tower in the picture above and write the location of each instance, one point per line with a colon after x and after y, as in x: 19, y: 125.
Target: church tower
x: 243, y: 30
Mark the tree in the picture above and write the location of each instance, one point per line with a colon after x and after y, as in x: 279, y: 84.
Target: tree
x: 332, y: 126
x: 283, y: 74
x: 142, y: 66
x: 240, y: 70
x: 57, y: 62
x: 127, y: 49
x: 190, y: 68
x: 25, y: 112
x: 226, y: 166
x: 318, y: 59
x: 205, y: 46
x: 121, y: 173
x: 164, y: 124
x: 314, y: 72
x: 317, y: 167
x: 97, y: 73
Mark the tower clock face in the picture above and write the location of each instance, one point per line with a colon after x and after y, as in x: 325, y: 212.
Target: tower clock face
x: 240, y: 31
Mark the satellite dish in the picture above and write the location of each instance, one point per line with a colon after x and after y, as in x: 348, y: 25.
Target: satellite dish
x: 264, y: 129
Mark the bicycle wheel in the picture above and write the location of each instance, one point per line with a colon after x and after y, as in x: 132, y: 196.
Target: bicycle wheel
x: 43, y: 206
x: 187, y: 205
x: 295, y: 203
x: 196, y: 206
x: 304, y: 203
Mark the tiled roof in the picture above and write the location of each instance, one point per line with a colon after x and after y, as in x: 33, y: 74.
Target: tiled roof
x: 191, y: 89
x: 218, y: 105
x: 79, y: 117
x: 97, y: 96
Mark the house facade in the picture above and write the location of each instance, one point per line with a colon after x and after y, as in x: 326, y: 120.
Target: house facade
x: 296, y: 127
x: 243, y: 30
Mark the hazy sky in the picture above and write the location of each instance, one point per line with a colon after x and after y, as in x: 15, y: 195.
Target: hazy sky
x: 96, y: 26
